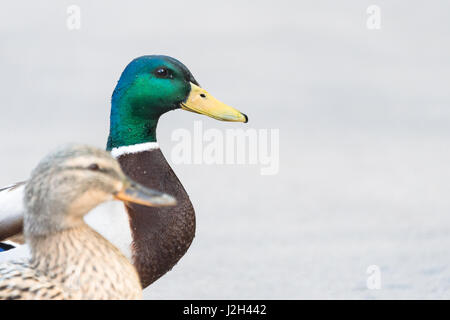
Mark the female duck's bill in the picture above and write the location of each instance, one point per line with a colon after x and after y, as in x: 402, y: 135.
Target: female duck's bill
x: 136, y: 193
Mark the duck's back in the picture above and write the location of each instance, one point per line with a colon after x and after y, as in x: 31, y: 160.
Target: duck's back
x: 11, y: 210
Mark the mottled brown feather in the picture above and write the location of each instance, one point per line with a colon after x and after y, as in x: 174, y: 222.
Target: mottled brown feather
x: 77, y: 263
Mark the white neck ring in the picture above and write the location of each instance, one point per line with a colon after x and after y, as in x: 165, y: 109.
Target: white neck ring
x: 135, y: 148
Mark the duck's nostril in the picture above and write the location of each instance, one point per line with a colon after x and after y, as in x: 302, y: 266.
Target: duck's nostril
x: 202, y: 95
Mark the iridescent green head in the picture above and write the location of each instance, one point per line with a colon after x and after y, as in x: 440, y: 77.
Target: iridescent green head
x: 151, y: 86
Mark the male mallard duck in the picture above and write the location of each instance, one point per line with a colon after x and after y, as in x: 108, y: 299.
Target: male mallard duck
x: 69, y: 260
x: 148, y: 87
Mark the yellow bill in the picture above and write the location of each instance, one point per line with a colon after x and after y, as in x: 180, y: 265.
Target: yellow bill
x: 200, y: 101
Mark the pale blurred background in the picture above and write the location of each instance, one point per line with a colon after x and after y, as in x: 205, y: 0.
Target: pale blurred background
x: 364, y: 133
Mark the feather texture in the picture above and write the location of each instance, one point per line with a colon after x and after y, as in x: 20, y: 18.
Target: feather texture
x: 76, y: 263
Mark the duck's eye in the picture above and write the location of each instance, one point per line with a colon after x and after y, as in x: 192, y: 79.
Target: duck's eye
x: 162, y: 72
x: 94, y: 167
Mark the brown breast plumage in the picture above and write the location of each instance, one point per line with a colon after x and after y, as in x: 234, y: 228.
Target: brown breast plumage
x: 161, y: 236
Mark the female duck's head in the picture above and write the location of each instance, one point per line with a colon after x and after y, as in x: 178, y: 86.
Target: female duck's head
x: 71, y: 181
x: 151, y: 86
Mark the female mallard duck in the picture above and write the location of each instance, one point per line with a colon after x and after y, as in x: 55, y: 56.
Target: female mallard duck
x: 148, y: 87
x: 69, y: 260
